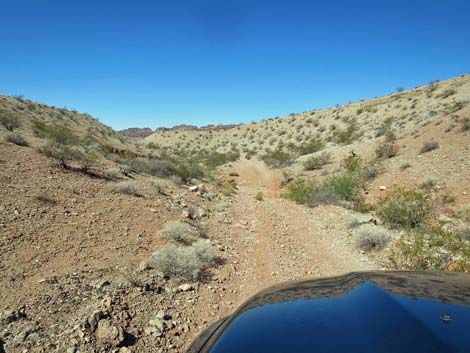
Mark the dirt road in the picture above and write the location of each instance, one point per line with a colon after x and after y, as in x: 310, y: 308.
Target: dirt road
x: 274, y: 240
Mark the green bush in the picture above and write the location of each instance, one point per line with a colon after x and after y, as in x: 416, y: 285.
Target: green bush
x: 322, y: 196
x: 188, y: 171
x: 352, y: 163
x: 317, y: 162
x: 432, y: 249
x: 404, y: 208
x: 9, y: 121
x: 215, y: 159
x: 308, y: 147
x: 298, y: 191
x: 347, y: 186
x: 277, y: 158
x: 65, y: 154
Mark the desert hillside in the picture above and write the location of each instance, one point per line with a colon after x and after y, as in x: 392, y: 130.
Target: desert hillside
x: 112, y: 244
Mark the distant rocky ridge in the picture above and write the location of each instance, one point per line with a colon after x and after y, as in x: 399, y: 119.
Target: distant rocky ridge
x: 135, y: 132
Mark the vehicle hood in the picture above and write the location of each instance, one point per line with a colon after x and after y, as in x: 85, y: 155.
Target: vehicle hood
x: 376, y: 312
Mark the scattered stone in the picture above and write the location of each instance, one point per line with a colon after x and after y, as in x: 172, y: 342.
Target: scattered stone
x: 444, y: 219
x: 108, y: 335
x: 185, y: 287
x: 11, y: 315
x: 382, y: 187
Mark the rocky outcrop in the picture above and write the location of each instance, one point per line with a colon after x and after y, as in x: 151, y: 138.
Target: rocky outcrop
x: 136, y: 132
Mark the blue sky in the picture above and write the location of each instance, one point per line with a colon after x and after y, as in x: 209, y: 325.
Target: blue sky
x: 161, y: 63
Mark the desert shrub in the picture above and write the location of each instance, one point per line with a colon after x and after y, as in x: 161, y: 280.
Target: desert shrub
x: 352, y: 163
x: 188, y: 171
x: 45, y: 198
x: 311, y: 146
x: 298, y: 190
x: 428, y: 183
x: 447, y: 199
x: 428, y: 146
x: 466, y: 124
x: 405, y: 165
x: 404, y: 208
x: 370, y: 237
x: 447, y: 93
x: 277, y: 158
x: 61, y: 135
x: 178, y: 262
x: 204, y: 251
x: 317, y: 162
x: 155, y: 167
x: 464, y: 213
x: 259, y: 196
x: 371, y: 170
x: 17, y: 140
x: 432, y: 249
x: 9, y: 121
x: 465, y: 233
x: 125, y: 188
x: 337, y: 190
x: 160, y: 186
x: 349, y: 134
x: 229, y: 187
x: 215, y: 159
x: 180, y: 232
x: 322, y: 196
x: 347, y: 186
x: 64, y: 154
x: 386, y: 150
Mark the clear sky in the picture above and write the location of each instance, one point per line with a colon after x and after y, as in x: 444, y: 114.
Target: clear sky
x: 160, y: 63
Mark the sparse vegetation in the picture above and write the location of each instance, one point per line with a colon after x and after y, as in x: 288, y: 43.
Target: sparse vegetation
x: 431, y: 249
x: 386, y: 150
x: 405, y: 165
x: 317, y: 162
x: 17, y: 140
x: 464, y: 213
x: 428, y: 147
x: 370, y: 237
x: 9, y: 121
x: 404, y: 208
x: 180, y: 232
x: 180, y: 263
x: 259, y: 196
x: 277, y: 158
x: 125, y: 188
x: 428, y: 183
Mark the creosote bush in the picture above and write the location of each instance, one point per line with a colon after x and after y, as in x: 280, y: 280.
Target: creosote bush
x: 404, y: 208
x: 180, y: 232
x: 370, y: 237
x: 317, y: 162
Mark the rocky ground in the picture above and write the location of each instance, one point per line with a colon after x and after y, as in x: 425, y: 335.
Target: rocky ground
x: 74, y: 256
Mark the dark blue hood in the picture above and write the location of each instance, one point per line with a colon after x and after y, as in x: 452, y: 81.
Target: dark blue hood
x: 378, y: 312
